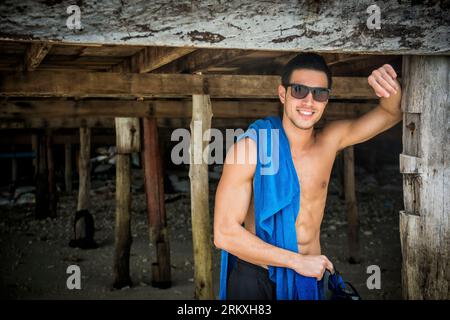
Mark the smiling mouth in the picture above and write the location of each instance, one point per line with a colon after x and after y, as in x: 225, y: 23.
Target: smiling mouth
x: 305, y: 113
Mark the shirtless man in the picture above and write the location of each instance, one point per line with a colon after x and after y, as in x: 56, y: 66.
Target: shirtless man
x: 313, y: 154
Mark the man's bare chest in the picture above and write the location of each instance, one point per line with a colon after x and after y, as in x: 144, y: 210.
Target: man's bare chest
x: 313, y: 171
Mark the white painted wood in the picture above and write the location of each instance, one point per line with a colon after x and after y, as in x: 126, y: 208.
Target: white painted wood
x: 301, y: 25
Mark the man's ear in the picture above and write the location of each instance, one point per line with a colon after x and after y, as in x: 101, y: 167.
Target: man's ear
x: 282, y: 93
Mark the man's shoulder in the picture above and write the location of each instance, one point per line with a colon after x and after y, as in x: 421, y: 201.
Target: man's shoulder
x: 331, y: 133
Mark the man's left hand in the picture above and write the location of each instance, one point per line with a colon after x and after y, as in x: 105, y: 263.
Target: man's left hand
x: 383, y: 81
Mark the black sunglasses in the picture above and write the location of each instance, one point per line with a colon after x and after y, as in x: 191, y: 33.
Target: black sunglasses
x: 299, y: 91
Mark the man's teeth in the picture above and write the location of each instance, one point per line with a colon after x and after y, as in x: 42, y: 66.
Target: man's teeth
x: 306, y: 113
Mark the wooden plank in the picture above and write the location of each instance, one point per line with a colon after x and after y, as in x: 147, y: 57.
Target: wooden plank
x: 154, y: 189
x: 51, y: 176
x: 68, y: 167
x: 121, y: 269
x: 84, y: 169
x: 129, y: 139
x: 425, y: 224
x: 409, y: 164
x: 151, y: 58
x: 411, y: 134
x: 351, y: 206
x: 198, y: 175
x: 108, y: 84
x: 201, y: 60
x: 238, y: 24
x: 69, y: 109
x: 13, y: 166
x: 34, y: 55
x: 42, y: 207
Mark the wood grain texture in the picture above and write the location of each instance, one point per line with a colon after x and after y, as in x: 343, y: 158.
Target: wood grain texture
x: 425, y: 222
x: 249, y: 108
x: 408, y: 27
x: 156, y: 210
x: 198, y: 174
x: 128, y: 137
x: 122, y: 231
x: 109, y: 84
x: 84, y: 169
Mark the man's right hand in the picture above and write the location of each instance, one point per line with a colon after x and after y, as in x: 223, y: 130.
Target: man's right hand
x: 312, y: 265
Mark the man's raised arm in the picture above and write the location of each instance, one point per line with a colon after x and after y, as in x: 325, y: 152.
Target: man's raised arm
x: 387, y: 114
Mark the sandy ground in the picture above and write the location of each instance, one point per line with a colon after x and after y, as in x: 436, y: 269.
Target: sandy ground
x: 35, y: 254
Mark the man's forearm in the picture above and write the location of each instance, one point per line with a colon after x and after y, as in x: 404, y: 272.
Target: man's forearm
x: 247, y: 246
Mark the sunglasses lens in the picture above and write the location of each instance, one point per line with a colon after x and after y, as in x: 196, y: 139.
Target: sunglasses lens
x: 321, y: 95
x: 299, y: 91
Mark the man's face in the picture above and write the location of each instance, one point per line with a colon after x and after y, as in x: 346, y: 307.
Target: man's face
x: 298, y: 110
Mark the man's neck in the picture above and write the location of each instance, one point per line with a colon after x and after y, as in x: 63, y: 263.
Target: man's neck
x: 299, y: 139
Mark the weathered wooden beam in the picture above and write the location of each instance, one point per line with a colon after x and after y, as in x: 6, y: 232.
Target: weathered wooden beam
x: 68, y: 167
x: 52, y: 193
x: 425, y: 164
x: 128, y: 138
x: 151, y: 58
x: 13, y: 166
x: 201, y: 60
x: 198, y: 174
x: 351, y: 206
x: 108, y: 84
x: 122, y: 231
x: 42, y: 196
x: 169, y: 113
x: 34, y: 55
x: 421, y: 28
x: 84, y: 169
x: 154, y: 189
x: 34, y: 148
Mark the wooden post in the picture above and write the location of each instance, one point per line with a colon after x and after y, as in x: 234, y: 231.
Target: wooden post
x: 154, y: 188
x: 13, y: 166
x: 42, y: 188
x: 127, y: 141
x: 122, y: 230
x: 68, y: 167
x: 198, y: 174
x: 34, y: 148
x: 84, y: 169
x: 51, y: 176
x: 351, y: 206
x: 425, y: 165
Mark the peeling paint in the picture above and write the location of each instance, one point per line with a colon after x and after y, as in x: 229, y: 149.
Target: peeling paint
x: 269, y: 25
x: 205, y: 36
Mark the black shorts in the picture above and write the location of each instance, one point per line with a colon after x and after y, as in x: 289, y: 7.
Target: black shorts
x: 250, y: 282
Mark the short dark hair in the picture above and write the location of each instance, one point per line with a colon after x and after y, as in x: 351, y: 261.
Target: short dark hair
x: 311, y: 61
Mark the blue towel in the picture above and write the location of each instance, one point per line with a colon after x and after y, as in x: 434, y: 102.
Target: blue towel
x: 277, y: 201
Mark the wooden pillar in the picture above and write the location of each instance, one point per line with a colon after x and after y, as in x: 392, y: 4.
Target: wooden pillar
x: 34, y: 148
x: 41, y: 178
x: 425, y: 165
x: 13, y: 166
x: 351, y: 206
x: 127, y: 141
x: 154, y: 188
x: 84, y: 169
x: 68, y: 167
x: 51, y: 176
x: 198, y: 174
